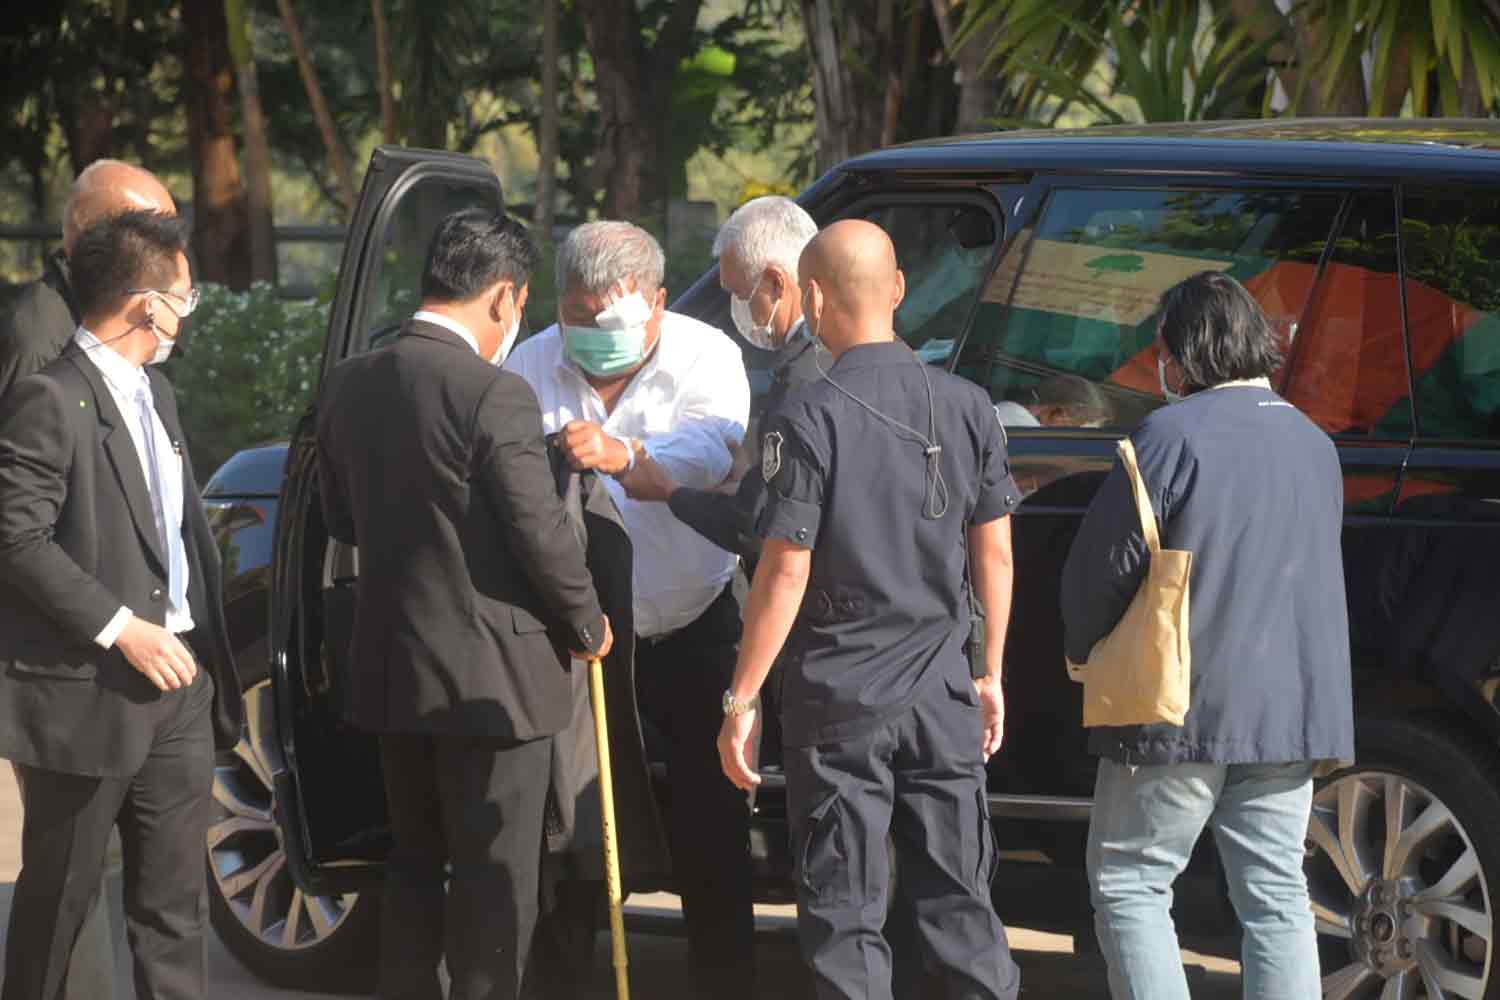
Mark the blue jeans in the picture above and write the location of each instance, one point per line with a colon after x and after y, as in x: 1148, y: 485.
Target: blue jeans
x: 1145, y: 823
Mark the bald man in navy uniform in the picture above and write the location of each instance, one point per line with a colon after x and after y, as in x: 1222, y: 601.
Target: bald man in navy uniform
x: 880, y: 476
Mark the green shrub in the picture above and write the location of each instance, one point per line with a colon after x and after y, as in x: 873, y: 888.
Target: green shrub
x: 246, y: 370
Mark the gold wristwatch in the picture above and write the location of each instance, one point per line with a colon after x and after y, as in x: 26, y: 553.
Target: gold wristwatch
x: 733, y: 708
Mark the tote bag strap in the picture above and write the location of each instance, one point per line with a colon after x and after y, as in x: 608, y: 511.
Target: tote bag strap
x: 1142, y: 497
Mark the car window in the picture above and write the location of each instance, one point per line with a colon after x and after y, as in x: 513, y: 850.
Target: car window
x: 1064, y: 335
x: 1451, y: 244
x: 1346, y: 367
x: 397, y: 274
x: 944, y: 250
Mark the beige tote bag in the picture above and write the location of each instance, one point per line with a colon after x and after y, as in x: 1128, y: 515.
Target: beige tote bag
x: 1138, y: 673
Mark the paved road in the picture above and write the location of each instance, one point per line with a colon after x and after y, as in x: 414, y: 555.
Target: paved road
x: 1049, y: 968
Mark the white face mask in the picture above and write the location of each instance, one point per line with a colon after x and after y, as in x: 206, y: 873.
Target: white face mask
x: 1161, y: 376
x: 760, y: 335
x: 164, y: 345
x: 502, y: 350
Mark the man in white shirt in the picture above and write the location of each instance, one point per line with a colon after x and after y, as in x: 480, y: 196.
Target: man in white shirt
x: 619, y: 377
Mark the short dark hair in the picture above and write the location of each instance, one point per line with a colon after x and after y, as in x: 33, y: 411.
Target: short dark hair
x: 121, y: 252
x: 1216, y: 331
x: 474, y: 249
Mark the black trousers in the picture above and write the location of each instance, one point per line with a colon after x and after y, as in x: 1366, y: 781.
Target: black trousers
x: 91, y: 968
x: 680, y: 684
x: 163, y: 813
x: 918, y: 779
x: 469, y: 814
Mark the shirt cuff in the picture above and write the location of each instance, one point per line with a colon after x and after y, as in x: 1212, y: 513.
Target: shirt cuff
x: 795, y: 521
x: 111, y: 632
x: 997, y: 502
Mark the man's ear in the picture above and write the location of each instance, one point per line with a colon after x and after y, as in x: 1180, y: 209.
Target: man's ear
x: 900, y: 289
x: 497, y: 297
x: 780, y: 282
x: 660, y: 305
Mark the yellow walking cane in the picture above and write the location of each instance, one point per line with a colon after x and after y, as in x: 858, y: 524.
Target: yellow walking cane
x: 611, y: 845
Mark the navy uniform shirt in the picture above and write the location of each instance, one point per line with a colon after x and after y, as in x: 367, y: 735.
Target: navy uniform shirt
x: 886, y: 612
x: 728, y: 520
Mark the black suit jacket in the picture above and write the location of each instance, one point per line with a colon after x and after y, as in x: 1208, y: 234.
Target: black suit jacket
x: 433, y: 462
x: 77, y: 541
x: 36, y: 323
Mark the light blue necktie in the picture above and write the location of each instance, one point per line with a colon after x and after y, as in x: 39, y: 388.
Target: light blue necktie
x: 171, y: 543
x: 146, y: 412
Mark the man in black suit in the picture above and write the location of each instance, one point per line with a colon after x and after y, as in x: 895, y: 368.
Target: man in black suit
x: 472, y: 589
x: 116, y: 677
x: 36, y: 324
x: 41, y: 316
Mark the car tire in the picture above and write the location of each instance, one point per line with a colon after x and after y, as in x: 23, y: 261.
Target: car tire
x: 1403, y: 863
x: 287, y: 938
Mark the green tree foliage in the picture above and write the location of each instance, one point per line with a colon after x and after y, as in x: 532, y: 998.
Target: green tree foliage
x: 1444, y: 54
x: 1172, y: 64
x: 246, y: 371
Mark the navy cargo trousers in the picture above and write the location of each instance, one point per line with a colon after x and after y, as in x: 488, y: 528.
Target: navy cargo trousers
x: 917, y: 778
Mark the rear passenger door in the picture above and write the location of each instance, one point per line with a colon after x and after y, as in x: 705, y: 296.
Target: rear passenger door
x: 1436, y: 576
x: 1064, y: 338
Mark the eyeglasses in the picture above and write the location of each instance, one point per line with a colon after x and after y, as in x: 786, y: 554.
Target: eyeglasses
x: 189, y: 301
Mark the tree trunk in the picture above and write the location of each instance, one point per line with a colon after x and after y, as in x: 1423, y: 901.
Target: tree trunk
x: 1297, y: 50
x: 262, y: 223
x: 546, y: 187
x: 978, y: 89
x: 848, y: 94
x: 220, y: 219
x: 1470, y: 97
x: 383, y: 71
x: 1345, y: 95
x: 338, y: 161
x: 613, y: 32
x: 634, y: 87
x: 88, y: 124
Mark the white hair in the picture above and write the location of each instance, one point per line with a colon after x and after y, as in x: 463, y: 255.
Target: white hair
x: 597, y: 256
x: 765, y: 231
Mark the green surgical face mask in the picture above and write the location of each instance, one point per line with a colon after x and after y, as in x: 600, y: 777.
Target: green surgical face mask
x: 617, y: 344
x: 604, y: 352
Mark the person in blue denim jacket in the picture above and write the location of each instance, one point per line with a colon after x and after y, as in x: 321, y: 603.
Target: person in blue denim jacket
x: 1249, y: 485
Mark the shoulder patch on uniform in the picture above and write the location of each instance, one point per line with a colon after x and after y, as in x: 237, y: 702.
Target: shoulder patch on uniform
x: 770, y: 455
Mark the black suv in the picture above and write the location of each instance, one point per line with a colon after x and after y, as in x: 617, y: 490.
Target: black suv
x: 1033, y: 263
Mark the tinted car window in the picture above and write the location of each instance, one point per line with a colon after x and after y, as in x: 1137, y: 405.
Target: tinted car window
x: 1066, y: 327
x: 1346, y: 367
x: 403, y: 250
x: 1451, y: 243
x: 944, y: 250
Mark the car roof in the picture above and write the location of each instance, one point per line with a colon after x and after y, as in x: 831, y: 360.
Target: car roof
x: 1386, y: 148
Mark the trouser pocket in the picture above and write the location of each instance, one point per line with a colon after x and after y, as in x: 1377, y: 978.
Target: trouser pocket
x: 988, y: 862
x: 823, y: 869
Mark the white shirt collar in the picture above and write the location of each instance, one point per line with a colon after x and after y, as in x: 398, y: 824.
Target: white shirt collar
x: 123, y: 377
x: 453, y: 326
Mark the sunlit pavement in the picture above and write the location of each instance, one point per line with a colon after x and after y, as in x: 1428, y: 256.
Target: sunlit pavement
x: 657, y: 955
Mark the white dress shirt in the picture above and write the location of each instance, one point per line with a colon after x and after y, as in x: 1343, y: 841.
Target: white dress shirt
x: 453, y: 326
x: 125, y: 381
x: 688, y: 404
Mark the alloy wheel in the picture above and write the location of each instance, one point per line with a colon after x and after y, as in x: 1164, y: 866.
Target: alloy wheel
x: 246, y: 856
x: 1401, y: 903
